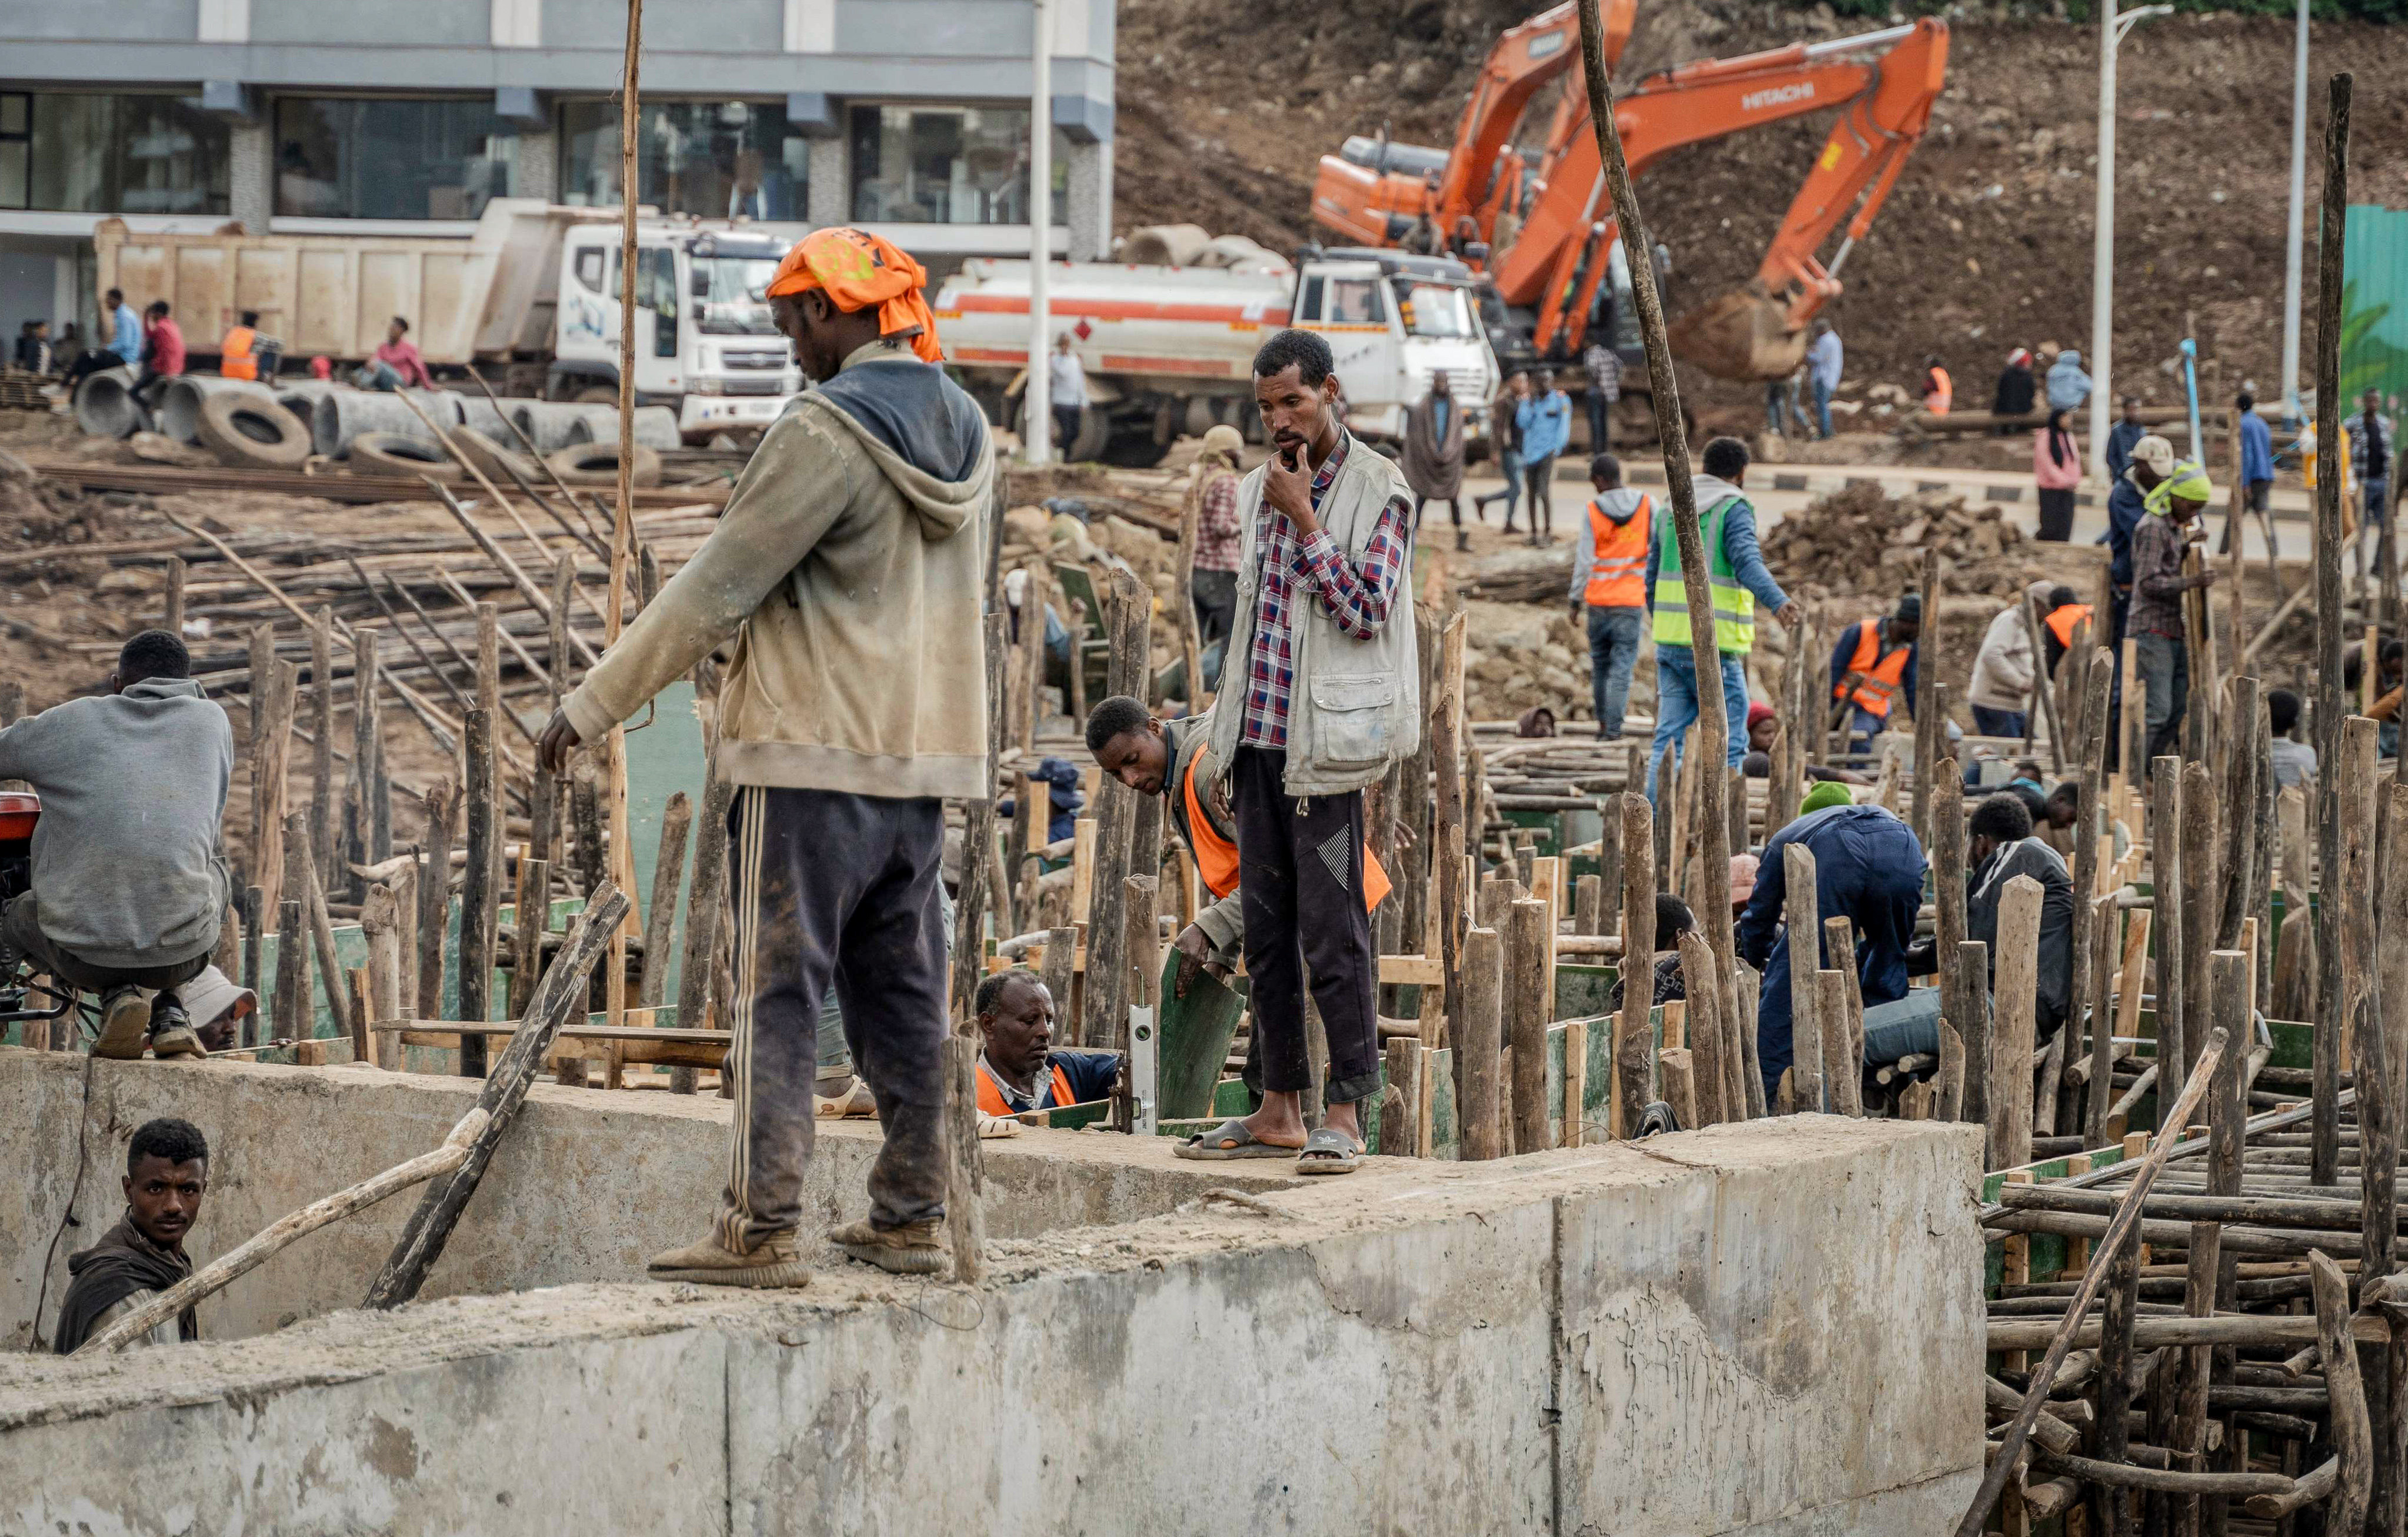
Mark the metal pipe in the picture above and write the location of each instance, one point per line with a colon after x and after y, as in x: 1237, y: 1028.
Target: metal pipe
x: 2294, y: 258
x: 1037, y: 424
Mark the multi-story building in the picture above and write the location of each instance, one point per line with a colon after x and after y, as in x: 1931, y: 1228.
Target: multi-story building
x: 382, y: 117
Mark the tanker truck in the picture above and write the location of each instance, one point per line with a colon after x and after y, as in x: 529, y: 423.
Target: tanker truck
x: 1168, y: 351
x: 531, y: 299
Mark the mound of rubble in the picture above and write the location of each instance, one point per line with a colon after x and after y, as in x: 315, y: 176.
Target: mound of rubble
x: 1861, y: 541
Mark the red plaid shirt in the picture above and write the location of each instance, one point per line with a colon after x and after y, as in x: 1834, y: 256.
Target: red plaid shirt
x: 1217, y: 525
x: 1357, y: 597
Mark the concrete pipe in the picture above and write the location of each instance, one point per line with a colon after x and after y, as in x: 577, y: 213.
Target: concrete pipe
x: 179, y: 403
x: 486, y: 417
x: 656, y: 427
x: 301, y: 397
x: 549, y: 423
x: 343, y: 415
x: 104, y: 405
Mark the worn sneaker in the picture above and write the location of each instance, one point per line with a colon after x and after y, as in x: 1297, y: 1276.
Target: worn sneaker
x: 124, y: 1025
x: 916, y: 1248
x: 774, y: 1261
x: 171, y: 1029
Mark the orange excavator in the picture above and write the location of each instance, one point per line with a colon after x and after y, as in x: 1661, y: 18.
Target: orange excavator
x: 1547, y: 215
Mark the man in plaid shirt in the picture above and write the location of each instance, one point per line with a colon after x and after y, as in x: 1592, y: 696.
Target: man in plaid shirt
x: 1214, y: 588
x: 1315, y: 707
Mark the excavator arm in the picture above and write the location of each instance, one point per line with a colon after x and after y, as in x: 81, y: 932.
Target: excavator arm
x: 1757, y: 332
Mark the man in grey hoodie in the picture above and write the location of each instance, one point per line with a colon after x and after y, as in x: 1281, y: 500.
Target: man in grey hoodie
x: 849, y: 567
x: 128, y: 886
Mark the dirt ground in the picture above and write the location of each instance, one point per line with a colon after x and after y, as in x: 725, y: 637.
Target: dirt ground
x: 1985, y: 244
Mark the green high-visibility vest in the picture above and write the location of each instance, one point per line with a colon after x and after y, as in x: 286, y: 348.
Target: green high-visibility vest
x: 1734, y: 605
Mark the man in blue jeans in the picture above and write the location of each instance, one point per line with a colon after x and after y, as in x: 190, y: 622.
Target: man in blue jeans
x: 1822, y: 360
x: 1735, y: 566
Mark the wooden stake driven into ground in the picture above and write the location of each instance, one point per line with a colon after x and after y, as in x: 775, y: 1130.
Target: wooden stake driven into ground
x: 1930, y: 733
x: 1805, y: 939
x: 2333, y: 217
x: 560, y: 994
x: 1634, y: 1041
x: 1714, y: 727
x: 1447, y: 840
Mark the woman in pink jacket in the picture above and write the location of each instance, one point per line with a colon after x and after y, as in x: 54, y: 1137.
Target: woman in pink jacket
x: 2057, y: 464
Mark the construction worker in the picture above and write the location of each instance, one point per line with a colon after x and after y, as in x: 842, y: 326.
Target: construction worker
x: 2005, y: 666
x: 1328, y: 696
x: 1171, y: 759
x: 2156, y: 619
x: 1939, y: 390
x: 2371, y: 450
x: 166, y: 1176
x: 1735, y: 567
x: 1872, y: 670
x: 1609, y: 587
x: 244, y: 354
x: 851, y: 561
x: 1018, y: 1069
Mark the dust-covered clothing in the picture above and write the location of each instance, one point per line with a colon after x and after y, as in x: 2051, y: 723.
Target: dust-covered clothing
x: 114, y: 1276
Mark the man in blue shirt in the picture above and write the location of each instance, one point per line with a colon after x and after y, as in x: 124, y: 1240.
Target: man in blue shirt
x: 1868, y: 870
x: 1734, y: 561
x: 2152, y: 459
x: 2128, y: 431
x: 1822, y: 360
x: 121, y: 351
x: 1545, y: 420
x: 2256, y: 464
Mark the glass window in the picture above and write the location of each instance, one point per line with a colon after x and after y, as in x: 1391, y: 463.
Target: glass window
x: 949, y: 166
x: 1310, y: 307
x: 734, y: 290
x: 112, y: 154
x: 589, y: 267
x: 368, y: 158
x: 715, y: 160
x: 1431, y: 310
x: 1355, y: 301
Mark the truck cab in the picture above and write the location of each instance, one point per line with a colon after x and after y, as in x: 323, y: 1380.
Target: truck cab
x: 1392, y: 321
x: 705, y: 345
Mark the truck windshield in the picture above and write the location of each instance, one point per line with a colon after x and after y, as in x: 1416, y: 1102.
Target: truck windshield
x: 735, y: 305
x: 1432, y: 311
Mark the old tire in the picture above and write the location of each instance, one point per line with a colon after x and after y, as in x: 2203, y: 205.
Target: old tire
x: 597, y: 464
x: 390, y: 454
x: 499, y: 465
x: 248, y: 432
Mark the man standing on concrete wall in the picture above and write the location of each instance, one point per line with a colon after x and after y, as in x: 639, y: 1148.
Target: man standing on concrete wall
x: 851, y: 558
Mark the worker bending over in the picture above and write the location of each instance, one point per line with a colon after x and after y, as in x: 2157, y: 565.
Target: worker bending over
x: 1173, y: 759
x: 850, y: 562
x: 1868, y: 870
x: 128, y: 885
x: 1999, y: 846
x: 1019, y: 1071
x: 1872, y: 670
x: 1736, y: 572
x: 1327, y: 696
x: 166, y: 1175
x: 1609, y: 587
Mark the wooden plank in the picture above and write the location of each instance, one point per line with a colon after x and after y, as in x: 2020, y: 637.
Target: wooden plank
x: 1634, y: 1044
x: 1484, y: 1133
x: 1530, y: 973
x: 2012, y: 1042
x: 1805, y: 937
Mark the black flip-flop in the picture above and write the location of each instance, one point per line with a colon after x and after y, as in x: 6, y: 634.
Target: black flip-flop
x: 1328, y: 1150
x: 1231, y: 1140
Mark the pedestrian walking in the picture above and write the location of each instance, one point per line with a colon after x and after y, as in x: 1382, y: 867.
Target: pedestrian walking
x: 1065, y: 392
x: 1604, y: 368
x: 1433, y: 456
x: 2068, y: 385
x: 1505, y: 433
x: 1546, y: 422
x: 1824, y: 358
x: 2056, y: 469
x: 1609, y: 592
x: 2371, y: 449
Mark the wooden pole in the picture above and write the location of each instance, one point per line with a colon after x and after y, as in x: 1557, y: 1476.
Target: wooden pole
x: 2202, y: 889
x: 1716, y: 1066
x: 2353, y: 1437
x: 1447, y: 842
x: 2088, y: 818
x: 1633, y: 1037
x: 1805, y: 941
x: 1831, y: 1020
x: 2381, y: 1068
x: 1714, y: 728
x: 2100, y: 938
x: 2166, y: 794
x: 966, y: 1163
x: 561, y: 993
x: 978, y: 845
x: 2011, y: 1043
x: 477, y: 895
x: 1971, y: 964
x: 435, y: 897
x: 660, y: 923
x: 1128, y: 612
x: 1479, y: 1122
x: 1844, y: 1042
x: 381, y: 922
x: 322, y: 937
x: 2333, y: 216
x: 707, y: 898
x: 1528, y: 960
x: 1930, y: 739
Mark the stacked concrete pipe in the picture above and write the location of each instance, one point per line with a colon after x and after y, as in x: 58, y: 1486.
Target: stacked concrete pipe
x: 342, y: 415
x: 551, y: 425
x: 656, y: 427
x: 104, y: 405
x: 301, y: 397
x: 179, y: 403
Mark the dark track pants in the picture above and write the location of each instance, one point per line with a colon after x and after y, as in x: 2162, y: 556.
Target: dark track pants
x: 827, y: 890
x: 1301, y: 876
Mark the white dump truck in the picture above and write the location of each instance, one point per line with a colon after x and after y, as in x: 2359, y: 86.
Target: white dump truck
x: 1169, y: 350
x: 531, y: 299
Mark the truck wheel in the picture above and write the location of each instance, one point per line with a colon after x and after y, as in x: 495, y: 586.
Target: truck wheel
x: 597, y: 464
x: 249, y: 433
x: 1134, y: 449
x: 390, y: 453
x: 1095, y: 431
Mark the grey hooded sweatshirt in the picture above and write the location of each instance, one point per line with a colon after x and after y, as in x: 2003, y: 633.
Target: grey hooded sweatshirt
x: 134, y: 788
x: 850, y: 565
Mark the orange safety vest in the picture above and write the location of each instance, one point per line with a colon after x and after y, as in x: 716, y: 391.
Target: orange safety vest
x: 1216, y: 857
x: 2062, y: 623
x: 236, y: 360
x: 991, y: 1098
x: 1939, y: 393
x: 1618, y: 579
x: 1883, y: 674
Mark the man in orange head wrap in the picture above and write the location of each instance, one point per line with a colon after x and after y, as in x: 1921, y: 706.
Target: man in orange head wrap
x: 849, y: 568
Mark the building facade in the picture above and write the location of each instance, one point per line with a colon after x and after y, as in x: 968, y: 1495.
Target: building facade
x: 405, y: 117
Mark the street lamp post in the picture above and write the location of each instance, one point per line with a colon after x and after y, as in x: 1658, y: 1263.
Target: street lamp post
x: 1037, y: 418
x: 2112, y: 28
x: 2296, y: 231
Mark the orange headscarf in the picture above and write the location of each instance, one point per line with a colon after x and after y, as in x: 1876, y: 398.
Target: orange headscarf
x: 858, y: 269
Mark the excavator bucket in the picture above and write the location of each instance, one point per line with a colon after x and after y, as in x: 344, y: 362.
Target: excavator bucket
x: 1744, y: 335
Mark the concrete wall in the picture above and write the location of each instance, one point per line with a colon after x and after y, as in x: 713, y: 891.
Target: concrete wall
x: 589, y: 1185
x: 1679, y: 1338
